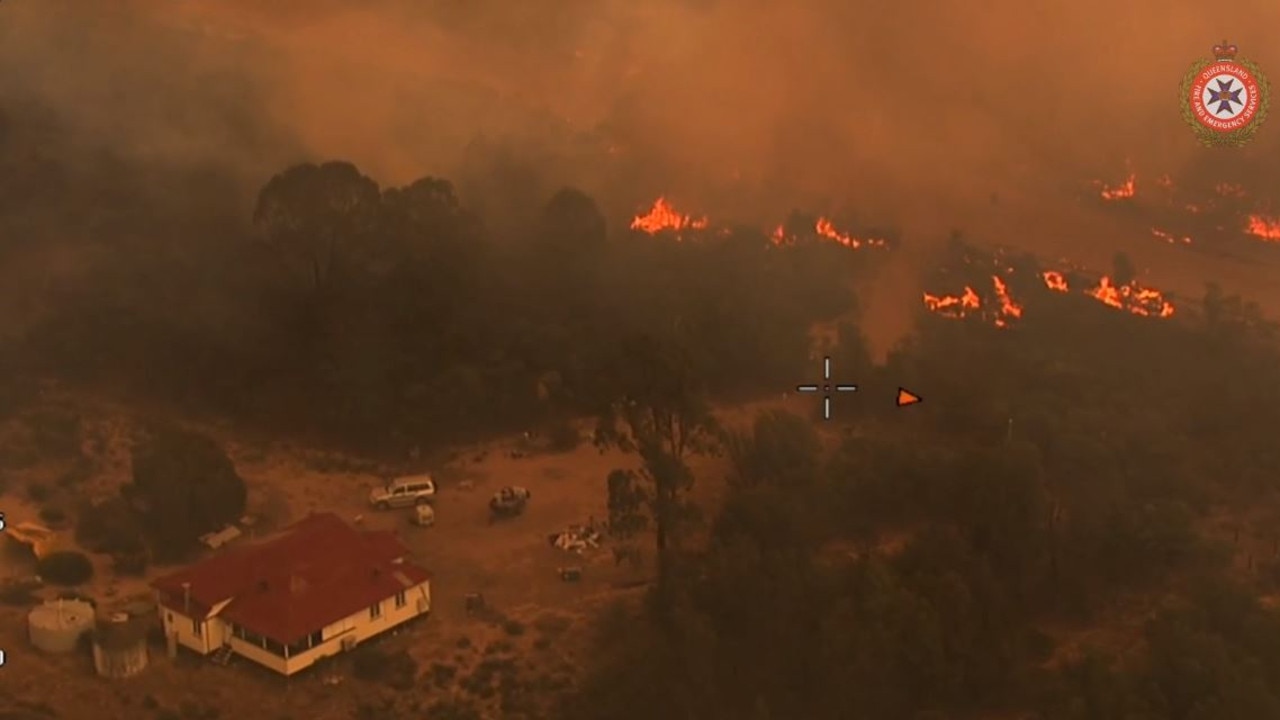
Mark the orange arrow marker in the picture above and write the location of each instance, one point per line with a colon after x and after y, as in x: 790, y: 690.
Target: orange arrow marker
x: 906, y: 397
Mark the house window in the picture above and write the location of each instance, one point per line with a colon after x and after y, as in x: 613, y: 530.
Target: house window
x: 197, y: 627
x: 375, y: 611
x: 400, y: 600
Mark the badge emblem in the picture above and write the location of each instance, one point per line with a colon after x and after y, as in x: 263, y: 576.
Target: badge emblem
x: 1225, y: 100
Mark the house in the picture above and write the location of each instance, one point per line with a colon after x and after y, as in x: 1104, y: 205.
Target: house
x: 318, y: 588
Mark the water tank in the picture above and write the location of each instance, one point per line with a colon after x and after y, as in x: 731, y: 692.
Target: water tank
x: 120, y: 646
x: 58, y: 625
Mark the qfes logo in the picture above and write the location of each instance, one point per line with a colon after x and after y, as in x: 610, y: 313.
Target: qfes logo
x: 1225, y: 100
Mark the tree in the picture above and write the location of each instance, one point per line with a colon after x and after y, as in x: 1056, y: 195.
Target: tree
x: 571, y: 225
x: 566, y: 256
x: 627, y: 500
x: 425, y: 221
x: 656, y: 408
x: 318, y: 218
x: 782, y: 448
x: 184, y: 486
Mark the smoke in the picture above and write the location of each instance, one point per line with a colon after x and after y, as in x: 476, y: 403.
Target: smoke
x: 913, y: 113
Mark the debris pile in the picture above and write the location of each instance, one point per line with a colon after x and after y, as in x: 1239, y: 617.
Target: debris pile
x: 576, y: 538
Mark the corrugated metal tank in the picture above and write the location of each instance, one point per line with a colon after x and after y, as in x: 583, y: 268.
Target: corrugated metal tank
x: 58, y: 625
x: 120, y: 646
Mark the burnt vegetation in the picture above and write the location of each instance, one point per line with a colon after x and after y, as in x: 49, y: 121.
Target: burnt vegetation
x: 1065, y: 474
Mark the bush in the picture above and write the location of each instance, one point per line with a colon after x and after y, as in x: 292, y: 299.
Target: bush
x: 131, y: 563
x: 110, y: 527
x: 395, y: 669
x: 18, y: 594
x: 65, y: 568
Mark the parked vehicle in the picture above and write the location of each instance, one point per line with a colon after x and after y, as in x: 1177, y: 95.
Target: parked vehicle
x: 404, y: 492
x: 509, y: 501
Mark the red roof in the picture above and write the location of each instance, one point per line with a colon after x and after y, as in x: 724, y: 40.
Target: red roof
x: 317, y: 572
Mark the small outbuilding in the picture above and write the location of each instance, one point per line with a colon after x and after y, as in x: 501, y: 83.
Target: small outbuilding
x: 120, y: 646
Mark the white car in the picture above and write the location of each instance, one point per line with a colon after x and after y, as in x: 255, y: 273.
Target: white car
x: 404, y: 492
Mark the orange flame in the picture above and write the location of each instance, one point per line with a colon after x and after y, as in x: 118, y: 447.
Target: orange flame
x: 1170, y: 237
x: 1263, y: 227
x: 1123, y: 191
x: 662, y: 216
x: 1055, y: 281
x: 953, y: 305
x: 1133, y: 298
x: 826, y: 230
x: 965, y: 304
x: 1008, y: 308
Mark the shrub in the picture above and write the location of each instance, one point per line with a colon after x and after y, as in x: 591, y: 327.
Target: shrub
x: 396, y: 669
x: 18, y: 594
x: 130, y: 563
x: 110, y: 527
x: 65, y: 568
x: 443, y: 674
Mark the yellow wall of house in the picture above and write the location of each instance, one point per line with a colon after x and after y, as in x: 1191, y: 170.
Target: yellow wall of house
x: 358, y: 627
x: 255, y: 653
x: 362, y: 625
x: 185, y: 628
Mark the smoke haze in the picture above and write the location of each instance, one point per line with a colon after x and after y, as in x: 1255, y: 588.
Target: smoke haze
x: 919, y: 114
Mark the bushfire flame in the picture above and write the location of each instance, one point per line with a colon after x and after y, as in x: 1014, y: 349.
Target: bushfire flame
x: 1170, y: 237
x: 1123, y: 191
x: 1263, y: 227
x: 1055, y: 281
x: 824, y: 229
x: 969, y: 302
x: 663, y: 216
x: 1224, y: 197
x: 1009, y: 310
x: 1131, y: 298
x: 956, y: 306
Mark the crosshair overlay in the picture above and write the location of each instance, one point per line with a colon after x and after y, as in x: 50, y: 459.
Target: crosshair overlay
x: 825, y: 388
